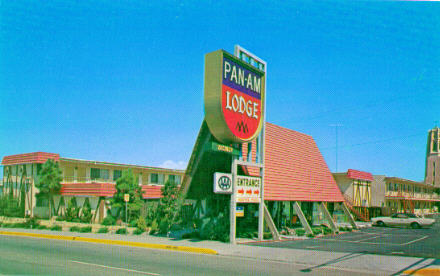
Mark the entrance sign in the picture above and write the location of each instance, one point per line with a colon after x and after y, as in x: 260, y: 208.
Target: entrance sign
x: 222, y: 183
x: 248, y: 189
x: 234, y: 98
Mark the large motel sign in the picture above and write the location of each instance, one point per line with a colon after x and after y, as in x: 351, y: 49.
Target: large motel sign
x: 235, y: 87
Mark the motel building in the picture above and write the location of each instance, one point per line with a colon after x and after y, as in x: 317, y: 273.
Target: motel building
x: 91, y: 183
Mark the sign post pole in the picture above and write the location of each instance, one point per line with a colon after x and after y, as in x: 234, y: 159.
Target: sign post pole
x: 238, y: 51
x: 126, y: 199
x: 233, y: 206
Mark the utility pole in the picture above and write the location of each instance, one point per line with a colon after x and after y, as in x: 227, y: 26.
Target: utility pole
x: 336, y: 126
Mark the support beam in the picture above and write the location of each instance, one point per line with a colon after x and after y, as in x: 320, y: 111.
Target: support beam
x: 328, y: 217
x: 302, y: 218
x: 349, y: 216
x: 268, y: 219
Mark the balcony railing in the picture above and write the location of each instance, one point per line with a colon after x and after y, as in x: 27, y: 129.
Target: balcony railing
x: 72, y: 179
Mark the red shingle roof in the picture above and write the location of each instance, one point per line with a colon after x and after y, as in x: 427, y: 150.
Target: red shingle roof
x: 27, y: 158
x: 354, y: 174
x: 295, y: 170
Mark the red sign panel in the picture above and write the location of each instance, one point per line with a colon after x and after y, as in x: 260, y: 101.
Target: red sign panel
x: 233, y: 98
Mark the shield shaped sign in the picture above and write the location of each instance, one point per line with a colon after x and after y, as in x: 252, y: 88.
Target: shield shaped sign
x: 234, y: 98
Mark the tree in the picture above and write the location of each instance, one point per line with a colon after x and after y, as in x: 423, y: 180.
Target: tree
x: 49, y: 181
x: 127, y: 184
x: 168, y: 207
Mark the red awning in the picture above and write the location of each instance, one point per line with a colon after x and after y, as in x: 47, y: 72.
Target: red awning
x: 354, y: 174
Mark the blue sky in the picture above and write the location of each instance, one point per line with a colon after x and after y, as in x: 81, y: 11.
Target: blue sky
x: 122, y: 81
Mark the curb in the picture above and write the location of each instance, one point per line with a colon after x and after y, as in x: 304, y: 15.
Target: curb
x: 198, y: 250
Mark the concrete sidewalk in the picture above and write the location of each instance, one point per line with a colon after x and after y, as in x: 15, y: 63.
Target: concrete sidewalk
x: 356, y: 262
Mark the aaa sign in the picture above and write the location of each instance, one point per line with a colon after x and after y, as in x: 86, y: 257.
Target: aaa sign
x: 234, y: 98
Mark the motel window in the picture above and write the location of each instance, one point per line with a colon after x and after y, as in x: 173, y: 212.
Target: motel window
x: 161, y: 178
x: 172, y: 178
x: 117, y: 174
x: 98, y: 174
x: 396, y: 187
x: 154, y: 178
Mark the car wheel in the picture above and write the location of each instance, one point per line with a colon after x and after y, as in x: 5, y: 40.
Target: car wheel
x: 380, y: 223
x: 415, y: 225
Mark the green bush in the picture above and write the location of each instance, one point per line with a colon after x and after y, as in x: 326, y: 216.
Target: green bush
x: 310, y: 235
x: 72, y: 210
x: 326, y: 230
x: 103, y: 230
x: 109, y: 220
x: 18, y: 225
x: 342, y: 229
x: 41, y: 227
x: 154, y: 227
x: 10, y: 207
x: 75, y: 229
x: 317, y: 230
x: 86, y: 229
x: 75, y: 220
x: 60, y: 218
x: 267, y: 235
x: 56, y: 228
x: 121, y: 231
x: 300, y: 232
x: 349, y: 229
x: 133, y: 223
x: 138, y: 231
x: 141, y: 224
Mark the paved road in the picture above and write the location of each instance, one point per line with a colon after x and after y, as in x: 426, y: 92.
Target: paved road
x: 53, y: 257
x: 376, y: 240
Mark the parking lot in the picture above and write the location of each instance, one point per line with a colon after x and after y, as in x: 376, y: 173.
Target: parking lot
x: 374, y: 240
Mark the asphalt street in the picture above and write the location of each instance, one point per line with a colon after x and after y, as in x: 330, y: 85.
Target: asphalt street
x: 53, y: 257
x: 375, y: 240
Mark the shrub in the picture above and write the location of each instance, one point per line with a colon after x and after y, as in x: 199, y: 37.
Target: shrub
x: 41, y: 227
x: 267, y: 235
x: 138, y: 231
x: 310, y: 235
x: 76, y: 220
x: 86, y: 229
x: 342, y: 229
x: 31, y: 223
x: 317, y: 230
x: 60, y: 218
x: 18, y: 225
x: 121, y: 231
x: 56, y: 228
x: 103, y: 230
x: 141, y: 224
x: 326, y: 230
x: 349, y: 229
x: 154, y: 227
x: 109, y: 220
x: 133, y: 223
x: 300, y: 232
x: 75, y: 229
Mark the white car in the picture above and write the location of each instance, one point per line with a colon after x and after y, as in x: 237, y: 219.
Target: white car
x: 407, y: 220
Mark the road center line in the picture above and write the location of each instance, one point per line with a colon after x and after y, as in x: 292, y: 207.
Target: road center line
x: 117, y: 268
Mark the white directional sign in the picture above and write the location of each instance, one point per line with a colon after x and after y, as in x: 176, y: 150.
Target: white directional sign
x: 248, y: 189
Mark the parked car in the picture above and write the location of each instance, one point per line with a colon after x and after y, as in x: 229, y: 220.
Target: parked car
x: 407, y: 220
